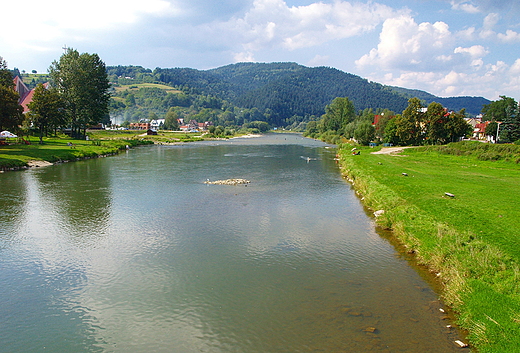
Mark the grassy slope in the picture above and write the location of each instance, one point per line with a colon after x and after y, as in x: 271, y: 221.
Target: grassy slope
x: 471, y: 241
x: 135, y: 87
x: 56, y: 149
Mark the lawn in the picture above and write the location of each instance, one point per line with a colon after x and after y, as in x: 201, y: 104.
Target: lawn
x: 471, y: 241
x: 62, y: 148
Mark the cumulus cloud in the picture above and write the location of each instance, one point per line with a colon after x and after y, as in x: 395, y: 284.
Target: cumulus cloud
x: 475, y: 51
x: 274, y: 24
x: 404, y: 44
x: 456, y: 83
x: 509, y: 37
x: 425, y: 56
x: 465, y: 6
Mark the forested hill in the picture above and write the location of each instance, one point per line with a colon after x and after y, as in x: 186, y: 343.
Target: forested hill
x: 285, y: 90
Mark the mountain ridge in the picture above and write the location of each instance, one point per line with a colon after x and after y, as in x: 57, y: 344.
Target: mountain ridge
x: 286, y: 90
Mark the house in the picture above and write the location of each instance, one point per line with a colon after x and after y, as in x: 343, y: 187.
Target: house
x: 140, y: 125
x: 479, y: 131
x: 26, y: 94
x: 156, y: 124
x: 474, y: 121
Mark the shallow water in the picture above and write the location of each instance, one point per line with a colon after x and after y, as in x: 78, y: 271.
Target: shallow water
x: 134, y: 253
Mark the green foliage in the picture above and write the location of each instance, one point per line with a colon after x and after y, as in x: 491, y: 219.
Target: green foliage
x: 10, y: 112
x: 47, y: 110
x: 170, y: 121
x: 481, y: 151
x: 338, y: 114
x: 364, y: 133
x: 285, y: 89
x: 6, y: 78
x: 82, y: 81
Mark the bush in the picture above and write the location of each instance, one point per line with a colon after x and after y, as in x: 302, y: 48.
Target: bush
x: 489, y: 156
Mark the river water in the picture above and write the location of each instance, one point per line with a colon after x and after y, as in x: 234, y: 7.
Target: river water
x: 135, y: 253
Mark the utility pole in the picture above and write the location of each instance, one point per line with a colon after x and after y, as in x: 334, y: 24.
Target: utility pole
x: 498, y: 129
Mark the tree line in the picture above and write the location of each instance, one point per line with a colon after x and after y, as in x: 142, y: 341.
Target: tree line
x: 418, y: 124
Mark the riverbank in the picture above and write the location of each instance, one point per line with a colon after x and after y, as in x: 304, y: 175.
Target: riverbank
x: 18, y: 156
x: 458, y: 214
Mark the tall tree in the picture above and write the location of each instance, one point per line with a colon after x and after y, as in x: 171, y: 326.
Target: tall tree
x: 365, y: 133
x: 338, y: 114
x: 6, y: 78
x: 409, y: 126
x: 436, y: 127
x: 170, y: 120
x: 11, y: 113
x: 83, y: 82
x: 47, y: 109
x: 457, y: 126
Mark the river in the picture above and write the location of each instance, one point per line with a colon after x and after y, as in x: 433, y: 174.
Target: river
x: 135, y: 253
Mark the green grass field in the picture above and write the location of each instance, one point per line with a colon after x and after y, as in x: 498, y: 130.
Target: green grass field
x: 55, y: 149
x: 137, y: 86
x: 470, y: 241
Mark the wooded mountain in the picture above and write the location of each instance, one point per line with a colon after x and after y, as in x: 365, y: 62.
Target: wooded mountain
x: 288, y: 91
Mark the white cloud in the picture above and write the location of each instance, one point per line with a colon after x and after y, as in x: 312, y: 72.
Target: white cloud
x: 52, y: 19
x: 510, y: 36
x: 467, y: 34
x: 491, y: 81
x: 476, y: 51
x: 274, y: 24
x: 425, y: 56
x: 465, y: 6
x: 404, y: 44
x: 489, y: 23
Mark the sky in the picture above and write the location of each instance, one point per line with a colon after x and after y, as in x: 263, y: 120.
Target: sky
x: 445, y: 47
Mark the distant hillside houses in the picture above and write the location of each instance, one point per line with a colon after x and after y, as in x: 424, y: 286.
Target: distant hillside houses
x: 193, y: 125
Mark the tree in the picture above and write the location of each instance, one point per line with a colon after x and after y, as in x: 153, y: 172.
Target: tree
x: 338, y: 114
x: 457, y: 127
x: 381, y: 124
x: 47, y: 109
x: 83, y: 82
x: 390, y: 135
x: 11, y: 113
x: 409, y: 125
x: 171, y: 120
x: 6, y: 78
x: 364, y: 133
x: 436, y: 127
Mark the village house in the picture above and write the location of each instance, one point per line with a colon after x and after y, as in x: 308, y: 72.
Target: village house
x: 26, y: 94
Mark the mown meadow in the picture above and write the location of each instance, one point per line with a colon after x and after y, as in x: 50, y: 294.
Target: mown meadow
x: 61, y: 148
x: 456, y: 208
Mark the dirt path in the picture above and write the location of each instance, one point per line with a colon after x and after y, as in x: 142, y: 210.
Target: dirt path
x: 391, y: 150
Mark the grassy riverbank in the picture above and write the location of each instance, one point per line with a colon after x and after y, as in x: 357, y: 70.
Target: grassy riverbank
x: 470, y: 241
x: 58, y: 149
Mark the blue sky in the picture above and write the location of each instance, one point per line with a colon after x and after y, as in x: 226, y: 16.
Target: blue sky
x: 445, y: 47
